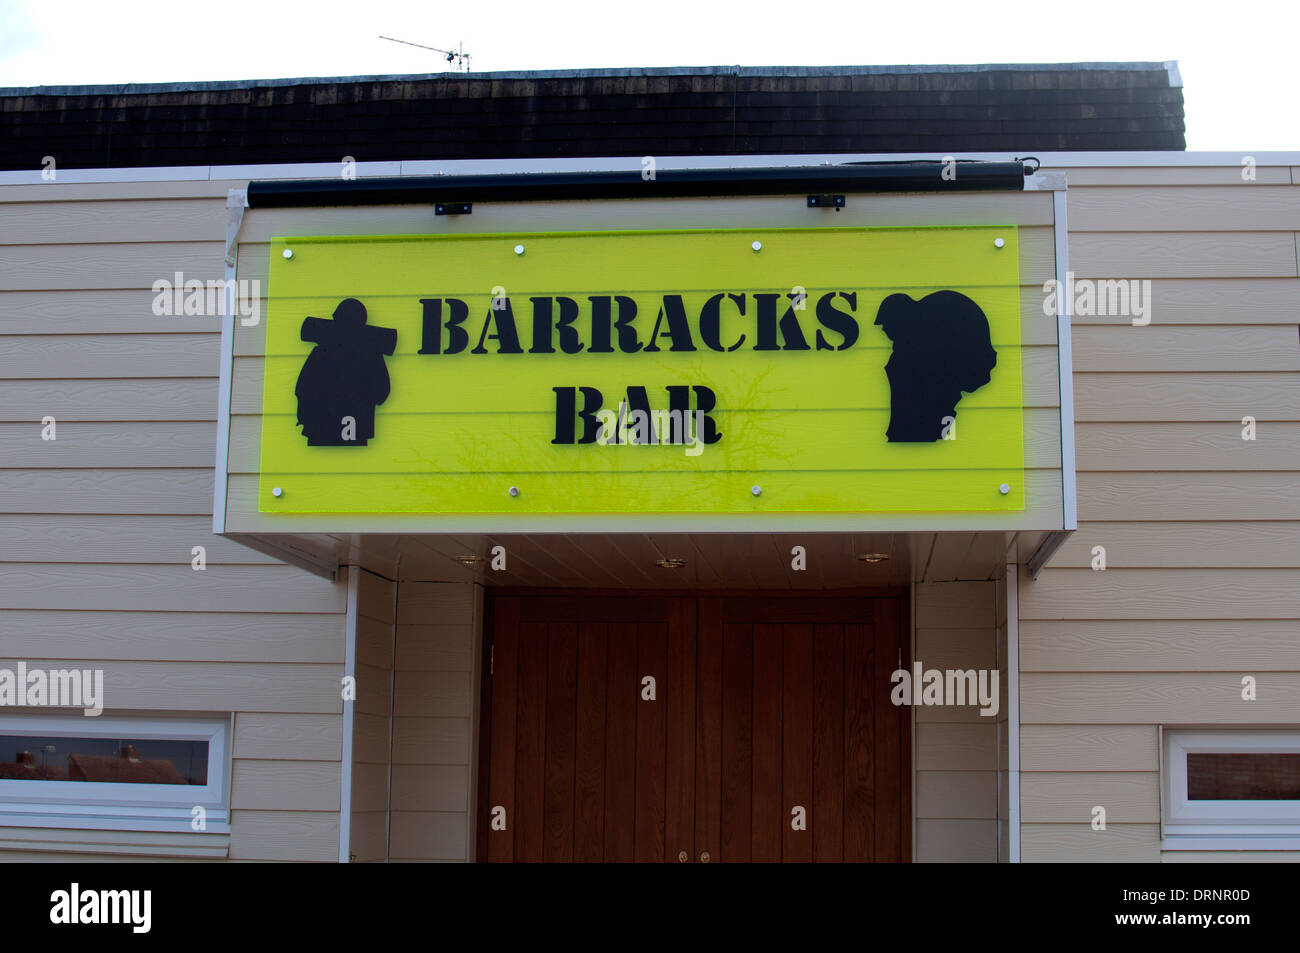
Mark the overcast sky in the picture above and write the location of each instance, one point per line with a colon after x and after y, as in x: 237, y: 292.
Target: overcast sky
x: 1237, y: 59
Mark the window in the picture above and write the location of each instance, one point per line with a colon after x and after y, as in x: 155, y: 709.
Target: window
x: 1232, y: 788
x: 113, y: 773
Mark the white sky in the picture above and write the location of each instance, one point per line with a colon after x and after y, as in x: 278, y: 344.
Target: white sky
x: 1237, y: 59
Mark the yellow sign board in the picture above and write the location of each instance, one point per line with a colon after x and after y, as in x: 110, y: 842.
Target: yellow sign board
x: 827, y: 370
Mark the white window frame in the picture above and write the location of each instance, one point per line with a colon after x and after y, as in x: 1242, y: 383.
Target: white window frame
x: 1225, y: 824
x: 96, y: 805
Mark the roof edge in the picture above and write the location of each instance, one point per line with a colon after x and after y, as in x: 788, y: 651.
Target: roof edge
x: 1171, y: 67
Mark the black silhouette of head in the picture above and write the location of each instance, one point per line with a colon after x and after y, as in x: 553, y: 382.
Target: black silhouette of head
x: 941, y: 348
x: 344, y: 377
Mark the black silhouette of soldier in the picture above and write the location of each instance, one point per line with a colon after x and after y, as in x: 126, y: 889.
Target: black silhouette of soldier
x: 941, y: 348
x: 344, y: 376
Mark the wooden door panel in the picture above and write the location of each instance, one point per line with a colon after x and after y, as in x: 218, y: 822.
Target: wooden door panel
x: 589, y: 745
x: 766, y: 822
x: 620, y: 747
x: 561, y: 727
x: 797, y: 741
x: 737, y: 742
x: 765, y: 710
x: 859, y: 747
x: 828, y: 744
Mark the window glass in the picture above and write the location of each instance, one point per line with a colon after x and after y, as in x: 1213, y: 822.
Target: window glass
x: 1243, y: 777
x: 108, y: 759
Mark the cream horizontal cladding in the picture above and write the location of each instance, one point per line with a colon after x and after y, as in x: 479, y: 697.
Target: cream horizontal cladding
x: 1200, y: 528
x: 956, y: 794
x: 99, y: 524
x: 435, y: 706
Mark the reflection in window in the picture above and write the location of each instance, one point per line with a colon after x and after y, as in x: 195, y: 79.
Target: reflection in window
x: 121, y: 760
x: 1243, y: 777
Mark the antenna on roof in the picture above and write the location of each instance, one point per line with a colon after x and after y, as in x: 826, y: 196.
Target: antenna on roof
x: 457, y: 56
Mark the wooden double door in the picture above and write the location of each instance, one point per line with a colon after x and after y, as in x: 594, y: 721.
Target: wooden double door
x: 644, y: 727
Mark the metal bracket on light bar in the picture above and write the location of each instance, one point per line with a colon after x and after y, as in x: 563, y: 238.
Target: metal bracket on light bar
x: 906, y: 176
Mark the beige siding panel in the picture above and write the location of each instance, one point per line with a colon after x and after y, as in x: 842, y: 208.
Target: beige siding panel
x: 1230, y: 857
x: 955, y: 648
x: 135, y: 265
x: 374, y: 642
x: 285, y: 835
x: 121, y: 191
x: 956, y: 794
x: 956, y: 605
x: 1191, y: 301
x: 209, y: 686
x: 1190, y: 698
x: 1165, y: 176
x: 370, y: 738
x: 42, y: 538
x: 369, y: 836
x: 1129, y: 797
x: 147, y: 220
x: 170, y: 443
x: 439, y: 648
x: 110, y: 355
x: 1219, y: 496
x: 181, y: 398
x: 429, y: 835
x: 1212, y: 396
x: 433, y: 694
x: 61, y: 844
x: 375, y: 598
x: 178, y: 588
x: 956, y: 841
x: 369, y: 788
x: 1218, y: 254
x: 428, y: 603
x: 178, y: 636
x: 1228, y: 348
x: 1162, y: 594
x: 441, y: 787
x: 288, y: 737
x: 1193, y: 645
x: 1173, y: 447
x: 1228, y: 207
x: 374, y: 690
x: 99, y: 311
x: 956, y: 747
x: 181, y: 492
x: 285, y: 785
x: 1064, y: 843
x: 1088, y: 747
x: 431, y: 740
